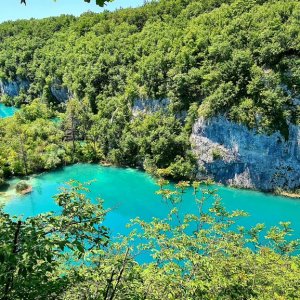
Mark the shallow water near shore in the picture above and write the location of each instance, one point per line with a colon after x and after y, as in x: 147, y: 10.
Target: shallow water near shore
x: 131, y: 194
x: 6, y: 111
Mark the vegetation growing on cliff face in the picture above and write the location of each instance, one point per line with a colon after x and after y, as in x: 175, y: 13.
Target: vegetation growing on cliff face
x: 203, y: 256
x: 234, y: 57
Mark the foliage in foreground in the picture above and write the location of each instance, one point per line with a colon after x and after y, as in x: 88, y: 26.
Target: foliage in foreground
x: 196, y: 256
x: 98, y: 2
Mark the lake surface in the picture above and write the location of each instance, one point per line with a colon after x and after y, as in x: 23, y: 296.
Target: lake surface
x: 6, y: 111
x: 132, y: 194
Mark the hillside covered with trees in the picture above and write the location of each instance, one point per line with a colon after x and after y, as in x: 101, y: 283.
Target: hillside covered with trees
x: 238, y: 58
x: 125, y: 88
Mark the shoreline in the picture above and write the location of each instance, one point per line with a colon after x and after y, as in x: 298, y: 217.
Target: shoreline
x: 286, y: 194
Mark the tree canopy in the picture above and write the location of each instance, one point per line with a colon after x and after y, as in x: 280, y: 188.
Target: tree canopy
x: 98, y: 2
x: 91, y: 89
x: 237, y: 58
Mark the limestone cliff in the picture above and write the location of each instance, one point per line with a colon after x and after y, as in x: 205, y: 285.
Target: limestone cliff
x: 13, y: 88
x: 60, y: 92
x: 149, y: 106
x: 235, y: 155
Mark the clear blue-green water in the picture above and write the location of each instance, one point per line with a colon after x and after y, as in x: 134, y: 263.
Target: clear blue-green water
x: 131, y: 194
x: 6, y: 111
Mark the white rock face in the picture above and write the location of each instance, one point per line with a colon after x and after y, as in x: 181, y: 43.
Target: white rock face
x: 234, y: 155
x: 149, y: 106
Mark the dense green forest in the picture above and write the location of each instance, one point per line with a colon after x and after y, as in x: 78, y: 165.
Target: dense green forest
x: 239, y: 58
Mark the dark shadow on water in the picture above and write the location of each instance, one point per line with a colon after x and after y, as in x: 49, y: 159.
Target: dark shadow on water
x: 4, y: 187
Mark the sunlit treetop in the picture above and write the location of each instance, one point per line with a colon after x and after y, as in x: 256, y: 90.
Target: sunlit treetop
x: 98, y: 2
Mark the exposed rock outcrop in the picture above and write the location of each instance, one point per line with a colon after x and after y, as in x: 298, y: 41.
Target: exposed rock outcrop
x: 23, y: 188
x: 149, y: 106
x: 13, y: 88
x: 59, y: 92
x: 235, y: 155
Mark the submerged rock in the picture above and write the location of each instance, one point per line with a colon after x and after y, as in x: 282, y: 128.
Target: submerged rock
x: 235, y: 155
x: 23, y: 188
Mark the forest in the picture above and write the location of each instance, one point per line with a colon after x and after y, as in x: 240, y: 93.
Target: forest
x: 231, y: 57
x: 81, y: 83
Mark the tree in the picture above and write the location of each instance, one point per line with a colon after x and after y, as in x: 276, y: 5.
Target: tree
x: 35, y: 252
x: 98, y: 2
x: 68, y: 254
x: 195, y: 256
x: 30, y: 141
x: 191, y: 53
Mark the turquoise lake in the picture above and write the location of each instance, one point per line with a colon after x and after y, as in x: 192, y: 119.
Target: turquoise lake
x: 131, y: 194
x: 6, y: 111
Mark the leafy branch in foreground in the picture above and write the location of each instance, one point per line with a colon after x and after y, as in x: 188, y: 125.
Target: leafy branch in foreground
x: 98, y: 2
x: 34, y: 252
x: 195, y: 256
x: 201, y: 255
